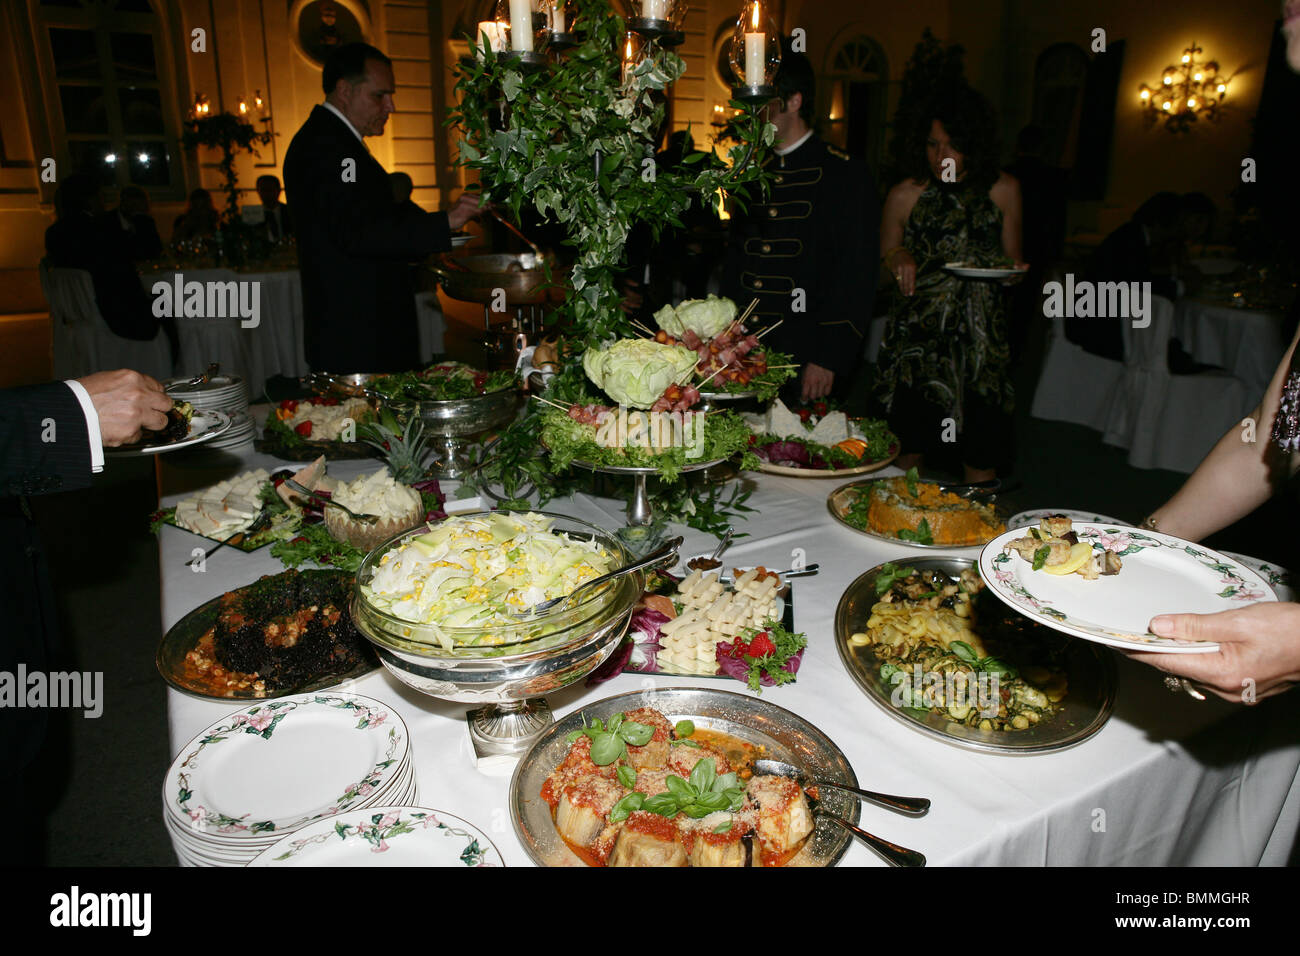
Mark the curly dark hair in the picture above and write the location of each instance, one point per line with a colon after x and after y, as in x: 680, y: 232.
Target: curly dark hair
x: 970, y: 123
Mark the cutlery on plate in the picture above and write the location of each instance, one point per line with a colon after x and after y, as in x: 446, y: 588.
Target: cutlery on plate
x: 979, y: 489
x: 916, y: 806
x: 330, y: 503
x: 665, y: 552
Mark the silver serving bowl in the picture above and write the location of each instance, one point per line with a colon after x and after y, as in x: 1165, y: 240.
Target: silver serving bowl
x: 477, y: 278
x: 504, y: 667
x: 452, y: 422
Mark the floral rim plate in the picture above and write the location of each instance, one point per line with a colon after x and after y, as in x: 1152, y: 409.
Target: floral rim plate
x: 1161, y: 574
x: 282, y: 764
x: 204, y: 426
x: 771, y: 469
x: 976, y: 272
x: 837, y: 503
x: 1085, y: 709
x: 1279, y: 579
x: 786, y: 735
x: 385, y: 836
x: 1026, y: 519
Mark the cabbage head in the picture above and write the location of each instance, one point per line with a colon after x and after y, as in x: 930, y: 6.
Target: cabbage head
x: 705, y: 317
x: 635, y: 372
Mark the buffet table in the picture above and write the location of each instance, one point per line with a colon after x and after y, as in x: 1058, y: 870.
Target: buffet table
x: 1168, y: 781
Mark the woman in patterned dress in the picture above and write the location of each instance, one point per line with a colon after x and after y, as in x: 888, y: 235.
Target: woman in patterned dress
x: 1259, y: 645
x: 942, y: 372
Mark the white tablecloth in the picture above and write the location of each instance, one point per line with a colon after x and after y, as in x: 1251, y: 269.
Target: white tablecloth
x: 275, y: 345
x: 1248, y: 343
x: 1168, y: 781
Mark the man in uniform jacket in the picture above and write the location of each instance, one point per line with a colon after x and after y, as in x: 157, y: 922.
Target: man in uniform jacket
x: 52, y: 439
x: 354, y: 240
x: 810, y: 253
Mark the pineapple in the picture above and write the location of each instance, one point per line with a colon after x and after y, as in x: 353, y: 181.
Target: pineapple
x: 405, y: 450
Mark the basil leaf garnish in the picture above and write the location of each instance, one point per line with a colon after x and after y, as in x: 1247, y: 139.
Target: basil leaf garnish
x: 627, y: 776
x: 638, y: 735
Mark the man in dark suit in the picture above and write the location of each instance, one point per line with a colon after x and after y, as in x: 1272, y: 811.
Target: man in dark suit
x: 52, y: 438
x: 809, y: 255
x: 278, y: 222
x: 355, y: 240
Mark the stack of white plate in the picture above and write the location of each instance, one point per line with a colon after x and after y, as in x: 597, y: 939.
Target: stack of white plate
x: 221, y: 393
x: 281, y: 765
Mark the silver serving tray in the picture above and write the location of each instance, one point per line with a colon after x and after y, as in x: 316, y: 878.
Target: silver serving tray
x: 786, y: 735
x: 1087, y: 705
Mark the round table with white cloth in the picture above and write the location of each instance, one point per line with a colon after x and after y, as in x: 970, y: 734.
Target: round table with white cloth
x: 1247, y: 343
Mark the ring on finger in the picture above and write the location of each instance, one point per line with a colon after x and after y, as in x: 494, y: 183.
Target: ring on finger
x: 1175, y: 684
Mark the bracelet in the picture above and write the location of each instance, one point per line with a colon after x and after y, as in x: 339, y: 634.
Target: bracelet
x: 1149, y: 523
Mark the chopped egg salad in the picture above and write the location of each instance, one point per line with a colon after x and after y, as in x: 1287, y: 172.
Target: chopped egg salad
x: 476, y: 571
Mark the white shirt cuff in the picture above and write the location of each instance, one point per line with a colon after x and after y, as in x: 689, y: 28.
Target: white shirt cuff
x: 92, y: 425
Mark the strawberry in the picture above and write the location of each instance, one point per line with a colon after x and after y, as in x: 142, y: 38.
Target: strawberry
x: 304, y: 429
x: 804, y: 414
x: 327, y: 401
x: 289, y: 405
x: 760, y: 646
x: 819, y: 409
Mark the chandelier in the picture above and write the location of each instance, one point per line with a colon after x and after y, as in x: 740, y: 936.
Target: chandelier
x: 1186, y: 92
x: 527, y: 30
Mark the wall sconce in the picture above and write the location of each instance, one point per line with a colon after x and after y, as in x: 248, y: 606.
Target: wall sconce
x: 241, y: 107
x: 201, y: 107
x: 1185, y: 92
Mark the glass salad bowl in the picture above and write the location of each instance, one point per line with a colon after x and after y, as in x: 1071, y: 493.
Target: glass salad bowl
x: 505, y: 667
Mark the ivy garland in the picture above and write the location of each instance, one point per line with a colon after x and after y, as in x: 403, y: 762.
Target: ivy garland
x: 576, y: 142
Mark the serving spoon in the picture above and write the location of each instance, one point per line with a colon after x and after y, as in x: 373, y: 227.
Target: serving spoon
x: 665, y: 552
x: 890, y: 852
x: 916, y: 806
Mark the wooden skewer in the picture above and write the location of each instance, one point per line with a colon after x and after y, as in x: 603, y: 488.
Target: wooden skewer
x: 769, y: 328
x: 643, y: 327
x: 748, y: 311
x: 553, y: 404
x: 711, y: 374
x: 770, y: 367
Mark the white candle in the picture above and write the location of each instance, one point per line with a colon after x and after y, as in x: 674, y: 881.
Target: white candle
x: 557, y: 16
x: 495, y: 37
x: 755, y: 58
x: 521, y: 26
x: 655, y: 10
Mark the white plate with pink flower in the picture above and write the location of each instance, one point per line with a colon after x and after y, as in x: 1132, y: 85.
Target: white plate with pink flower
x: 279, y: 765
x: 1160, y: 574
x: 385, y: 836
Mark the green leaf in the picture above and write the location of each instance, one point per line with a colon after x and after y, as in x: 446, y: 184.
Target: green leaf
x: 723, y: 827
x: 964, y: 651
x: 664, y: 804
x: 680, y: 789
x: 625, y: 807
x: 606, y: 748
x: 911, y: 479
x: 1040, y: 556
x: 638, y: 735
x: 704, y: 774
x: 626, y: 776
